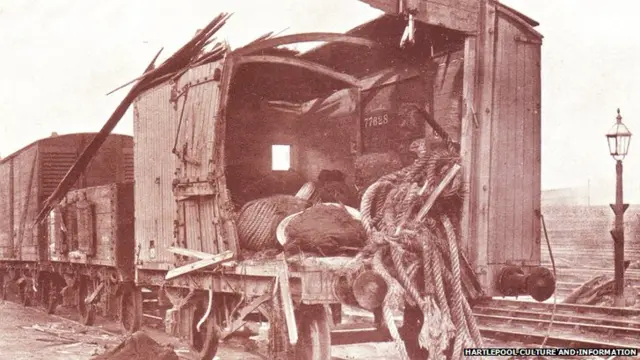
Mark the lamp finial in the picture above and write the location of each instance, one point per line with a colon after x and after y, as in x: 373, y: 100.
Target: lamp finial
x: 619, y: 117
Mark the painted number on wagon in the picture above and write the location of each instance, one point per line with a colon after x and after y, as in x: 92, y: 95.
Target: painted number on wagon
x: 376, y: 120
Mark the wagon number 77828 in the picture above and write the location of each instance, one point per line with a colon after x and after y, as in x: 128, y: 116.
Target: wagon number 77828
x: 376, y: 120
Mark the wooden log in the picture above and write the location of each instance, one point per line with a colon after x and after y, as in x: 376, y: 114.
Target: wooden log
x: 365, y: 289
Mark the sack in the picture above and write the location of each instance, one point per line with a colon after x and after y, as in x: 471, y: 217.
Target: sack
x: 326, y: 230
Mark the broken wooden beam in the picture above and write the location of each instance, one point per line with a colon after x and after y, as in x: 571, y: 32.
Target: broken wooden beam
x: 309, y: 65
x: 240, y: 319
x: 287, y: 303
x: 93, y: 297
x: 273, y: 42
x: 200, y: 264
x: 190, y: 253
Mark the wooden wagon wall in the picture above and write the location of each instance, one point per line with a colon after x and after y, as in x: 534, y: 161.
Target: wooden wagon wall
x: 330, y: 135
x: 155, y: 164
x: 501, y: 137
x: 203, y: 217
x: 105, y: 237
x: 30, y: 175
x: 447, y: 93
x: 252, y: 128
x: 515, y: 144
x: 19, y: 205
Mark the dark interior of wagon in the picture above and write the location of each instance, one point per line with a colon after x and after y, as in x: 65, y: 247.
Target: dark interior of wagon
x: 286, y: 124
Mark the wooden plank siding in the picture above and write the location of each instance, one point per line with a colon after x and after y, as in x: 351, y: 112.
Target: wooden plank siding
x: 504, y: 174
x: 6, y: 214
x: 514, y: 170
x: 31, y: 174
x: 155, y: 165
x: 25, y: 204
x: 199, y: 216
x: 447, y: 93
x: 109, y: 237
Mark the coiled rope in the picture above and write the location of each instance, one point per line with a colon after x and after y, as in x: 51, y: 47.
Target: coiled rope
x: 413, y: 245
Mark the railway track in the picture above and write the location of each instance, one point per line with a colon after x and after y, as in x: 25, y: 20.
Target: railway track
x: 508, y: 322
x: 572, y: 325
x: 570, y: 278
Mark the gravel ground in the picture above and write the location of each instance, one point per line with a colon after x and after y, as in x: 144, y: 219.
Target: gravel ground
x: 31, y: 334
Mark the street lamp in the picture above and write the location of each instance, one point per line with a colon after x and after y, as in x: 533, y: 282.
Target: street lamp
x: 619, y: 138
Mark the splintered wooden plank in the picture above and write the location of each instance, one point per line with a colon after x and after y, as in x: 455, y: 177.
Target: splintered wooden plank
x: 468, y: 130
x: 198, y: 265
x: 483, y: 159
x: 287, y: 303
x: 191, y: 253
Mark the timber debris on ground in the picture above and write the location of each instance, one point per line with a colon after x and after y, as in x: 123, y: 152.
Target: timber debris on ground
x: 600, y: 291
x: 139, y: 346
x: 67, y: 334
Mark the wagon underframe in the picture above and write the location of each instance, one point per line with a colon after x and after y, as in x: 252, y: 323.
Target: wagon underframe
x: 254, y: 286
x: 53, y: 283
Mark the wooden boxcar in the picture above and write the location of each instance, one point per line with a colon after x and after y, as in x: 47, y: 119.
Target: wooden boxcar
x: 27, y: 179
x: 475, y: 66
x: 91, y: 247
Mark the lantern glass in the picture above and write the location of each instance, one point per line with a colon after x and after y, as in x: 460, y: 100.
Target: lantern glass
x: 619, y: 138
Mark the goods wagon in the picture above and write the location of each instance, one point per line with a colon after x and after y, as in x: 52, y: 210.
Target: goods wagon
x: 451, y: 117
x: 91, y: 249
x: 27, y: 178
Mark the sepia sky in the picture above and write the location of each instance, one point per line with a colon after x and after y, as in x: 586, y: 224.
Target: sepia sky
x: 59, y: 58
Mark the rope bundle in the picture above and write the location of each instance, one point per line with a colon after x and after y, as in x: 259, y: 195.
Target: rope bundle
x: 258, y: 220
x: 418, y: 256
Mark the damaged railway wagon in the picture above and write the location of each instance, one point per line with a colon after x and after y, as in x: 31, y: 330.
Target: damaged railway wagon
x: 423, y: 124
x: 74, y: 253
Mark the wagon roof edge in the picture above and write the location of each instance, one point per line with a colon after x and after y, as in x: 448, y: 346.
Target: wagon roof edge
x: 36, y: 142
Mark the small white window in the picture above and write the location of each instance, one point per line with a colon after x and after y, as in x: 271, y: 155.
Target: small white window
x: 280, y: 157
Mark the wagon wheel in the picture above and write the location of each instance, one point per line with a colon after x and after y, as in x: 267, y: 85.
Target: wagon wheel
x: 24, y: 294
x: 130, y: 308
x: 53, y: 296
x: 53, y: 299
x: 205, y: 342
x: 43, y: 289
x: 314, y: 333
x: 87, y: 311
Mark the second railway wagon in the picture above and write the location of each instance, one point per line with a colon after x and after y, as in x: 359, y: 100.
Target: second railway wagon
x: 44, y: 259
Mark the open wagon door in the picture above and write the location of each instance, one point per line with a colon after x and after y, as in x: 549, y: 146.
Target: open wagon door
x: 204, y: 209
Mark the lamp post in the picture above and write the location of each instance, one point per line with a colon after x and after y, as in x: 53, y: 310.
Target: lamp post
x: 619, y: 138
